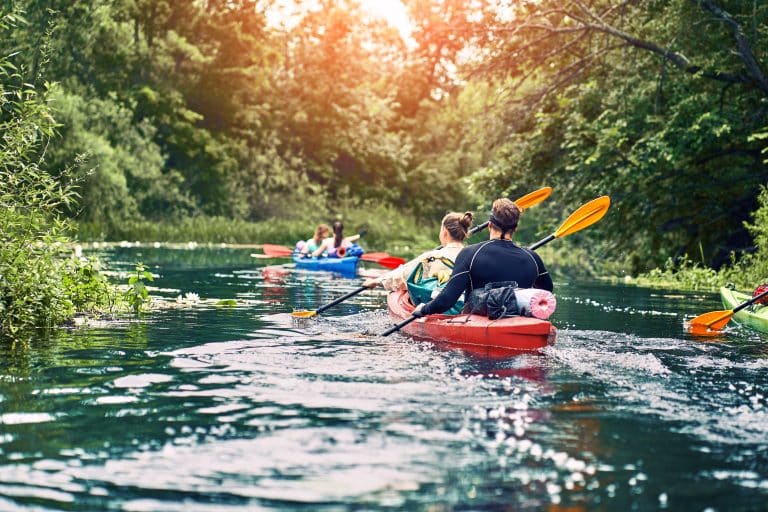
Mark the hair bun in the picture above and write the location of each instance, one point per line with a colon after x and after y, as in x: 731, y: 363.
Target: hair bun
x: 466, y: 220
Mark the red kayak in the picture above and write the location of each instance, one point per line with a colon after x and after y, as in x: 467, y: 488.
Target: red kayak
x: 479, y: 332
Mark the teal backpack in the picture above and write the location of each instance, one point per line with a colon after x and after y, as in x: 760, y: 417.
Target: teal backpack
x: 420, y: 287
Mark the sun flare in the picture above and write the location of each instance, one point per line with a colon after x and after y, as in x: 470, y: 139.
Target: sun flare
x: 285, y: 14
x: 393, y: 11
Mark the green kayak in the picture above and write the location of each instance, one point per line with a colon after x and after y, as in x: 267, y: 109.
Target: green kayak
x: 755, y: 316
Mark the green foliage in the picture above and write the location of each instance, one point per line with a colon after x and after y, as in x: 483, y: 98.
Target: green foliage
x: 125, y: 167
x: 745, y: 271
x: 40, y: 284
x: 670, y: 145
x: 137, y: 294
x: 203, y: 121
x: 87, y: 287
x: 754, y: 265
x: 31, y: 294
x: 388, y: 229
x: 685, y: 274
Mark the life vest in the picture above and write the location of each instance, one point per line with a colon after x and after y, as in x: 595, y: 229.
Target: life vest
x: 423, y: 289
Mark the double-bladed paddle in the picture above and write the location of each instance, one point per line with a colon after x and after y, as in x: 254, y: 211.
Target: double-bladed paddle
x: 528, y: 200
x: 585, y: 216
x: 281, y: 251
x: 716, y: 320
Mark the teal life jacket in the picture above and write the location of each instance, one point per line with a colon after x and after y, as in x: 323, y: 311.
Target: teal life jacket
x: 421, y: 288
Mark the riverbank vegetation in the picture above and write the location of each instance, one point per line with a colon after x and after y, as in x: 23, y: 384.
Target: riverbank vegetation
x: 745, y: 273
x: 40, y: 285
x: 253, y: 120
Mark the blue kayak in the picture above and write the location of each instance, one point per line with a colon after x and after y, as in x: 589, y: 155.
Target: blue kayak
x: 346, y: 265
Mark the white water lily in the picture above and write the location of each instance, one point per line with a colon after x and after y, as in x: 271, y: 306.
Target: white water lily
x: 191, y: 297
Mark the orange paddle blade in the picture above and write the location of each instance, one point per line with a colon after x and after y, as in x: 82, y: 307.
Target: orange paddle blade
x: 533, y: 198
x: 585, y: 216
x: 714, y: 320
x: 303, y: 314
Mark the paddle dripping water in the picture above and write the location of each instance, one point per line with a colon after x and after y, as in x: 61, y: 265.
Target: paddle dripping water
x: 245, y: 408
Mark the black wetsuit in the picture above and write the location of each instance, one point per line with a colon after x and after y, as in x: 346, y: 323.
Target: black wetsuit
x: 490, y: 262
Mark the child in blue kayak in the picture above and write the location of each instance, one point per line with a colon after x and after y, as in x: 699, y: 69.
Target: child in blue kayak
x: 317, y: 240
x: 335, y: 246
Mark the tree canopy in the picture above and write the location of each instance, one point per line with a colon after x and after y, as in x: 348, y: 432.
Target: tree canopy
x: 212, y: 108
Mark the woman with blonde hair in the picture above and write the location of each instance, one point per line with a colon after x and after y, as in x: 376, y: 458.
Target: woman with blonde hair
x: 454, y: 229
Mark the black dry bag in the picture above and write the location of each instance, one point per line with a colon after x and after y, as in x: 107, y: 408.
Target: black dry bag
x: 494, y: 300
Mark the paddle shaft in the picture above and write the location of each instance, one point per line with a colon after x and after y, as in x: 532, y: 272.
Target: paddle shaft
x: 750, y: 301
x: 400, y: 325
x: 341, y: 299
x: 478, y: 228
x: 543, y: 241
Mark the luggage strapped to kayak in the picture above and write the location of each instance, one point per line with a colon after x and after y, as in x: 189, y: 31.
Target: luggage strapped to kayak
x: 494, y: 300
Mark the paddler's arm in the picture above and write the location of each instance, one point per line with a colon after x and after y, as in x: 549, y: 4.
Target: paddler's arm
x: 455, y: 287
x: 543, y: 280
x: 396, y: 279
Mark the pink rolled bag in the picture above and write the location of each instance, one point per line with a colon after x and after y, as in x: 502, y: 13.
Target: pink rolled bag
x: 535, y: 302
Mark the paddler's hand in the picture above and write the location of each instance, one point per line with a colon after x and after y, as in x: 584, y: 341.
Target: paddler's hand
x: 417, y: 312
x: 371, y: 283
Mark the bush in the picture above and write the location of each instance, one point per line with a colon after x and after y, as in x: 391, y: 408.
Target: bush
x: 39, y: 285
x: 744, y: 273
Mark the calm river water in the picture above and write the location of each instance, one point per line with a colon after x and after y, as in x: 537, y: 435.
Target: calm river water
x: 219, y: 409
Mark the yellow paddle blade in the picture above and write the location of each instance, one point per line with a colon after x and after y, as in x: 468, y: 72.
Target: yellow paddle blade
x: 585, y: 216
x: 714, y: 320
x: 303, y: 314
x: 533, y: 198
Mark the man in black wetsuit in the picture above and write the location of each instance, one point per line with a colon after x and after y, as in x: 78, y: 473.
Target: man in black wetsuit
x: 492, y: 261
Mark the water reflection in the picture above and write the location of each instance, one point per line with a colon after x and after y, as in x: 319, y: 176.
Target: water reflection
x: 247, y: 408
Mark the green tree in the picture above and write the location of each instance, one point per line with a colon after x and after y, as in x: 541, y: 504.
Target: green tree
x: 627, y: 99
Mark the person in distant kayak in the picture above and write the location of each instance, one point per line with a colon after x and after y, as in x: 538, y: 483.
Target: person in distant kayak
x: 496, y: 260
x: 337, y: 245
x: 759, y: 290
x: 436, y: 263
x: 314, y: 243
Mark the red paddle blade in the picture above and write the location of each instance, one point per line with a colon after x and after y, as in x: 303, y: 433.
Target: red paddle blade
x: 373, y: 256
x: 276, y: 250
x: 390, y: 262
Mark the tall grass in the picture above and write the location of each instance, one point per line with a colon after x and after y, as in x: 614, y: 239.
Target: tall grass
x: 386, y: 229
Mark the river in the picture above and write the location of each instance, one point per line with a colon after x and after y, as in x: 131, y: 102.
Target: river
x: 208, y: 408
